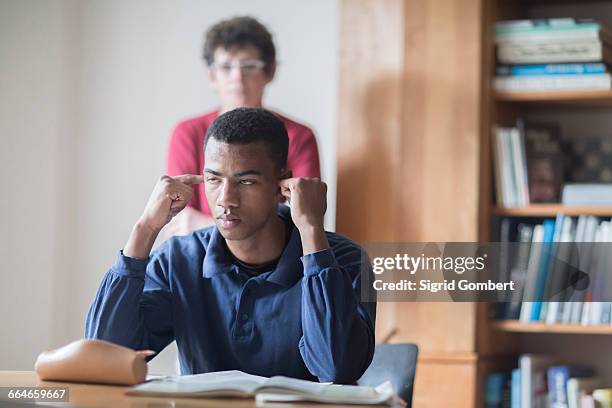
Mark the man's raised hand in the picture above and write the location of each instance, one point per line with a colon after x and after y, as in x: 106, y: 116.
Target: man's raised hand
x: 169, y: 197
x: 308, y: 200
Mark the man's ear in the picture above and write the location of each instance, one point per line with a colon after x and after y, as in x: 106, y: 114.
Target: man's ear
x: 284, y: 174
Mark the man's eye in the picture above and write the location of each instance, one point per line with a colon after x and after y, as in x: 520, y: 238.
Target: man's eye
x: 212, y: 180
x: 247, y: 182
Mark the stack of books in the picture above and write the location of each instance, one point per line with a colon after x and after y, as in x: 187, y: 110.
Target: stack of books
x: 560, y: 268
x: 541, y: 381
x: 556, y: 54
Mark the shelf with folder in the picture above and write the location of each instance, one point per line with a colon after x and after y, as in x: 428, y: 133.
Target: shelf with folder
x: 516, y: 326
x: 578, y: 98
x: 551, y: 210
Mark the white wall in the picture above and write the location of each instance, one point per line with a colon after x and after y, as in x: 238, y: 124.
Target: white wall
x: 90, y: 91
x: 37, y: 127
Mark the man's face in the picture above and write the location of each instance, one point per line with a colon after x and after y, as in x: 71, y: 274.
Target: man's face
x: 238, y: 76
x: 241, y: 184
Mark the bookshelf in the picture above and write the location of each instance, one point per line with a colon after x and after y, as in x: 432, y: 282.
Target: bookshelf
x: 571, y: 343
x: 415, y: 112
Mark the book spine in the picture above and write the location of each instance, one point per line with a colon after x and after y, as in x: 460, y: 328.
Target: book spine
x: 557, y: 379
x: 544, y: 34
x: 547, y: 53
x: 518, y: 165
x: 507, y: 135
x: 519, y: 270
x: 542, y: 23
x: 494, y: 388
x: 531, y: 276
x: 551, y: 69
x: 573, y: 35
x: 497, y: 156
x: 543, y: 269
x: 549, y: 309
x: 553, y: 82
x: 515, y: 393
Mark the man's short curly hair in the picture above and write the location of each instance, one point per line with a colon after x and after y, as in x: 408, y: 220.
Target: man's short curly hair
x: 240, y: 32
x: 252, y: 125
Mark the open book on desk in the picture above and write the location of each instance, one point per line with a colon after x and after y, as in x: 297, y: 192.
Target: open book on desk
x: 242, y: 385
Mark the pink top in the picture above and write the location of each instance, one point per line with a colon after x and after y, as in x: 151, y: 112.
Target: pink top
x: 186, y: 152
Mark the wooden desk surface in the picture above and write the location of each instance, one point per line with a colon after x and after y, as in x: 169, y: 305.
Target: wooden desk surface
x: 94, y: 395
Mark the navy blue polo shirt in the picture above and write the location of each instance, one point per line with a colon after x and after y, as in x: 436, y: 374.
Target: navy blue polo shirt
x: 302, y: 319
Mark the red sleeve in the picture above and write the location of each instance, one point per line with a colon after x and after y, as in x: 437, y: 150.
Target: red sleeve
x: 303, y: 157
x: 183, y: 155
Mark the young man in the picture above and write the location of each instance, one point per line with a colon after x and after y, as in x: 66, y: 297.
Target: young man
x: 266, y: 290
x: 241, y: 58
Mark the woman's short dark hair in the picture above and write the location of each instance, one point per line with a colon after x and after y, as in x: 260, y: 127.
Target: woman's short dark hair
x: 251, y: 125
x: 240, y: 32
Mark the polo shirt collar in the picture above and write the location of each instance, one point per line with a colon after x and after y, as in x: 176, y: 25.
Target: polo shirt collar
x: 288, y: 271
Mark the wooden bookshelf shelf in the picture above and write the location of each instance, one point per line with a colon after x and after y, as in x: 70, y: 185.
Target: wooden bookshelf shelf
x: 520, y: 327
x: 551, y: 210
x: 584, y: 98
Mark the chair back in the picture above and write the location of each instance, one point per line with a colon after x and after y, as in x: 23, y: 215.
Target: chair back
x: 395, y: 363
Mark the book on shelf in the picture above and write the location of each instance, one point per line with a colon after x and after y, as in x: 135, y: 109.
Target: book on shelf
x: 528, y: 164
x: 557, y: 50
x: 238, y: 384
x: 510, y: 167
x: 587, y: 401
x: 551, y: 29
x: 560, y: 270
x: 515, y: 388
x: 580, y: 387
x: 497, y: 390
x: 551, y: 69
x: 537, y: 270
x: 603, y: 397
x: 547, y: 52
x: 533, y: 379
x: 587, y: 194
x: 542, y: 381
x: 518, y: 270
x: 558, y: 377
x: 545, y: 83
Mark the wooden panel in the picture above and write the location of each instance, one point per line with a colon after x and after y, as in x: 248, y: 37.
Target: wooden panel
x: 369, y: 122
x: 440, y: 149
x: 408, y: 143
x: 439, y: 192
x: 370, y: 130
x: 445, y: 384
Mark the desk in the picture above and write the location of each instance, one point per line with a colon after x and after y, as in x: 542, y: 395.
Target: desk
x: 94, y: 395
